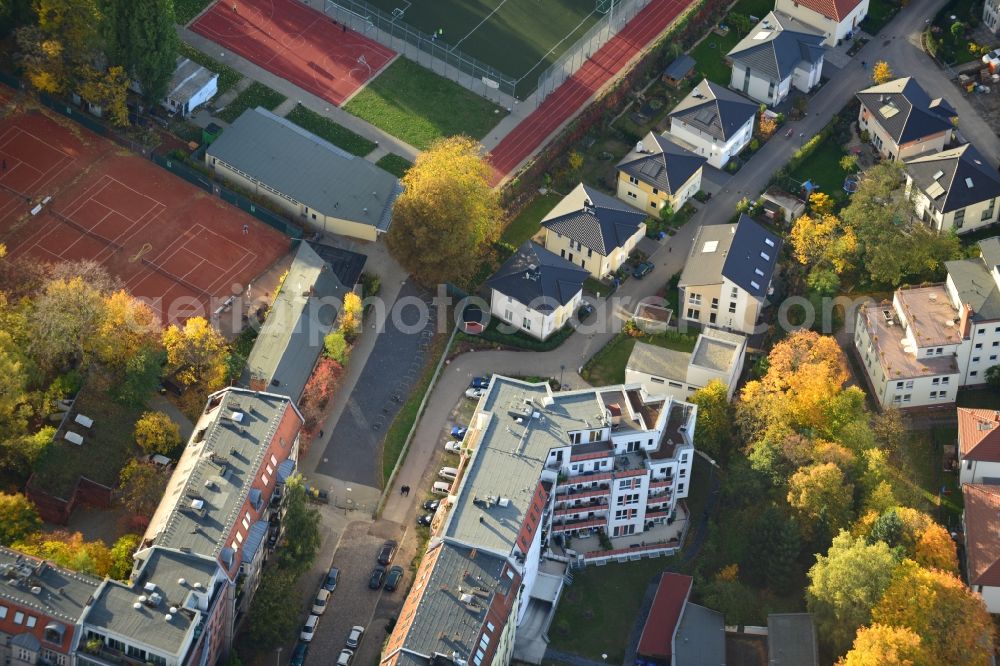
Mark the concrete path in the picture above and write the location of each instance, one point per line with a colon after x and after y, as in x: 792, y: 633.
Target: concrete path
x: 298, y: 95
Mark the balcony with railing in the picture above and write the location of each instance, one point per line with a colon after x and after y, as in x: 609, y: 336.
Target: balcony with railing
x: 573, y: 495
x: 583, y: 508
x: 572, y: 525
x: 661, y: 484
x: 565, y: 484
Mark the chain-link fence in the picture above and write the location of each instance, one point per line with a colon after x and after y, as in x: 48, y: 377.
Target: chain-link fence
x: 617, y: 17
x: 392, y: 31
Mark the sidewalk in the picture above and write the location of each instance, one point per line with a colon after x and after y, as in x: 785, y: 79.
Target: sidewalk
x: 298, y: 95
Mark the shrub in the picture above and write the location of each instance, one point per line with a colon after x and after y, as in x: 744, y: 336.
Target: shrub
x: 156, y: 433
x: 335, y: 347
x: 371, y: 284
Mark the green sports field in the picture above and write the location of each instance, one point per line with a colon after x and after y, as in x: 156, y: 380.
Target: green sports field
x: 518, y: 38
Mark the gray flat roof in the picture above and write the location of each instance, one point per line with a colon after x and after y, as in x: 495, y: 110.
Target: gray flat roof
x: 443, y: 623
x: 188, y: 79
x: 63, y: 594
x: 292, y: 335
x: 717, y: 350
x: 791, y: 640
x: 216, y: 470
x: 701, y: 637
x: 313, y: 172
x: 659, y: 361
x: 508, y: 456
x: 114, y: 609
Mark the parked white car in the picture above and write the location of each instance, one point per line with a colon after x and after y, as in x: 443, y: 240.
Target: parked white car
x: 453, y: 447
x: 319, y: 604
x: 309, y: 629
x: 354, y: 638
x: 449, y: 473
x: 474, y: 393
x: 441, y: 488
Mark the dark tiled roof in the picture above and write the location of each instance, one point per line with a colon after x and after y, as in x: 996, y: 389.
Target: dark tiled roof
x: 665, y: 166
x: 680, y: 67
x: 905, y: 111
x: 776, y: 45
x: 752, y: 257
x: 982, y: 533
x: 955, y: 178
x: 602, y: 226
x: 715, y: 110
x: 533, y: 274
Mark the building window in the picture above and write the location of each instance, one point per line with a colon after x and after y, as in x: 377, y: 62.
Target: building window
x: 265, y: 479
x: 988, y: 213
x: 32, y: 621
x: 975, y: 359
x: 508, y: 315
x: 693, y: 314
x: 655, y: 191
x: 907, y: 397
x: 973, y: 373
x: 652, y: 204
x: 959, y: 218
x: 942, y: 394
x: 715, y: 303
x: 909, y: 384
x: 680, y: 487
x: 655, y: 380
x: 935, y: 381
x: 632, y: 194
x: 526, y: 324
x: 945, y: 380
x: 694, y: 299
x: 3, y: 612
x: 897, y: 399
x: 633, y: 180
x: 979, y: 345
x: 933, y: 395
x: 732, y: 307
x: 981, y: 331
x: 733, y: 293
x: 18, y: 617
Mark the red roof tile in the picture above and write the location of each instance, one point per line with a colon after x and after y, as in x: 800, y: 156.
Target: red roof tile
x: 979, y: 434
x: 835, y: 9
x: 982, y: 533
x: 664, y: 615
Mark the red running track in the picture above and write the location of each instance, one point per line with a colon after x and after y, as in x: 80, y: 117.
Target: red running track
x: 576, y: 90
x: 297, y: 43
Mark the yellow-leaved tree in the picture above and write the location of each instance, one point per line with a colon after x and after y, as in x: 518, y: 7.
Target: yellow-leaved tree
x: 197, y: 354
x: 448, y: 215
x: 881, y: 645
x: 882, y: 73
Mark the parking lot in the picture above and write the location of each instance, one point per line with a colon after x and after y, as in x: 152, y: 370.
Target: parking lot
x: 352, y: 603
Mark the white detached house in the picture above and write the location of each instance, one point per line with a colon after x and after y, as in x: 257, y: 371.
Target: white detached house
x: 835, y: 19
x: 777, y: 55
x: 713, y: 122
x: 955, y: 189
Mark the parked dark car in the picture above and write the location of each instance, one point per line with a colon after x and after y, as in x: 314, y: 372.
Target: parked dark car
x: 375, y: 580
x: 458, y: 432
x: 642, y: 270
x: 299, y: 654
x: 387, y: 553
x: 479, y: 382
x: 432, y: 505
x: 425, y: 519
x: 392, y: 580
x: 332, y: 576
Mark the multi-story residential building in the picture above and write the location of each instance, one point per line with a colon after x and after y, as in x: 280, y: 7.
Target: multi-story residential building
x: 932, y: 340
x: 199, y: 562
x: 589, y: 228
x: 991, y: 15
x: 658, y: 172
x: 717, y: 355
x: 728, y: 274
x: 978, y: 445
x: 982, y: 541
x: 955, y: 189
x: 778, y: 54
x: 40, y: 609
x: 536, y: 291
x: 903, y: 121
x: 713, y: 122
x: 546, y: 478
x: 835, y: 19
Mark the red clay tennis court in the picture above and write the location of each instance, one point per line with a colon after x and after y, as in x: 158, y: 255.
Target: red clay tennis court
x: 297, y: 43
x: 67, y: 194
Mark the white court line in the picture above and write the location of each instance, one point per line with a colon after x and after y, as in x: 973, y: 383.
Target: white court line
x: 488, y: 17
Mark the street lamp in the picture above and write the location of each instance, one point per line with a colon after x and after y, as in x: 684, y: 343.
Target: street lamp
x: 277, y: 660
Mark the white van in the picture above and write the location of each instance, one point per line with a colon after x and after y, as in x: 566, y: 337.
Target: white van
x: 441, y: 488
x: 450, y: 473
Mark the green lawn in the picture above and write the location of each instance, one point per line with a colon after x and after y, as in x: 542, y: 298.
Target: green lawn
x: 185, y: 10
x: 597, y: 612
x: 394, y: 164
x: 418, y: 106
x: 107, y: 446
x: 823, y: 169
x: 880, y: 12
x: 919, y: 480
x: 608, y: 365
x: 526, y: 224
x: 257, y: 94
x: 228, y: 77
x: 710, y: 56
x: 326, y: 129
x: 406, y: 418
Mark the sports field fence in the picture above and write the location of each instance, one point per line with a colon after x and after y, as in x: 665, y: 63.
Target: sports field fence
x: 391, y: 29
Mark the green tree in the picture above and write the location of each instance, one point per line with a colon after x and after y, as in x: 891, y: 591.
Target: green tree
x: 821, y: 494
x: 65, y: 41
x: 666, y: 212
x: 65, y: 322
x: 141, y: 37
x: 737, y: 602
x: 141, y: 486
x: 844, y: 586
x: 68, y: 549
x: 849, y: 163
x: 274, y: 613
x: 336, y: 347
x: 302, y: 539
x: 775, y: 544
x: 155, y: 432
x: 713, y: 434
x: 993, y: 377
x: 140, y: 377
x: 18, y: 518
x: 121, y: 556
x: 14, y: 407
x: 448, y: 214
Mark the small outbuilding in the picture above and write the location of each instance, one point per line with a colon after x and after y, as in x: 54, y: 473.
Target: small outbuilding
x: 678, y: 71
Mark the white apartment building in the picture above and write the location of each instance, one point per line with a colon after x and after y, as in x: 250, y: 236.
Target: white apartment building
x: 991, y: 15
x: 717, y: 355
x: 548, y: 479
x: 932, y: 340
x: 713, y: 122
